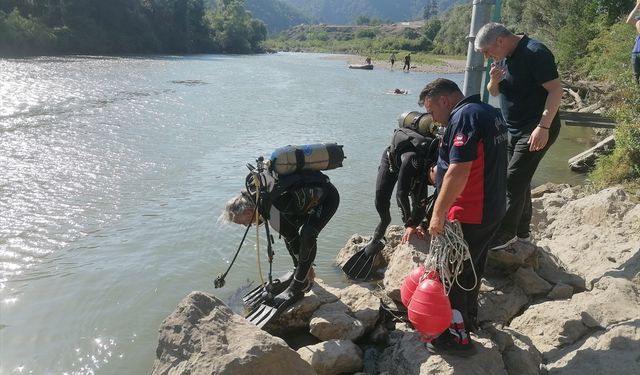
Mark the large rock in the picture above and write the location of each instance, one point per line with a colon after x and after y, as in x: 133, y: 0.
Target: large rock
x: 518, y: 353
x: 611, y: 352
x: 203, y: 336
x: 333, y: 321
x: 332, y: 357
x: 529, y: 281
x: 299, y: 315
x: 595, y: 235
x: 553, y: 325
x: 500, y: 300
x: 409, y: 356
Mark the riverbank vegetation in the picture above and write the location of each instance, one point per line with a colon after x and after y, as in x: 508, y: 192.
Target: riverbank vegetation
x: 39, y: 27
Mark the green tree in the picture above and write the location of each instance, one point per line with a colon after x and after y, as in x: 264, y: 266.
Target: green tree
x: 452, y: 37
x: 430, y: 9
x: 233, y: 28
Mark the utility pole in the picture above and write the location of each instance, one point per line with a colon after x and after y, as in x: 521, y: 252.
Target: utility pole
x: 475, y: 69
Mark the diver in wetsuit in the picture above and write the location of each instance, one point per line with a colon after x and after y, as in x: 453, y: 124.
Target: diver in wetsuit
x: 298, y: 214
x: 406, y: 161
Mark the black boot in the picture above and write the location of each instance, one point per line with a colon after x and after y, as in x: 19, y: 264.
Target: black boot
x: 294, y: 293
x: 374, y: 247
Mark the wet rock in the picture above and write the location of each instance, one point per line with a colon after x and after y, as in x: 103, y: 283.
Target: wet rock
x: 203, y: 336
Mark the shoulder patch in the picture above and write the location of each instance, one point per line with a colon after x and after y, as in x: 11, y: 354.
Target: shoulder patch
x: 459, y: 140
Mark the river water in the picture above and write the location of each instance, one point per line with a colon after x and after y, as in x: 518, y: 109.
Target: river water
x: 113, y: 171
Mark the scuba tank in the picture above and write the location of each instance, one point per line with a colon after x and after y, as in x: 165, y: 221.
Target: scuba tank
x: 314, y: 157
x: 421, y: 123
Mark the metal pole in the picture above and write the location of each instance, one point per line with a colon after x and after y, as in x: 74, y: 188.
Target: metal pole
x: 497, y: 17
x: 475, y: 61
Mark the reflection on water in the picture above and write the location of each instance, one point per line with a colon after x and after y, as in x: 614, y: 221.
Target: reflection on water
x: 114, y: 171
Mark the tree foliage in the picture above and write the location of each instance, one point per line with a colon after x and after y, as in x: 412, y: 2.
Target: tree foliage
x: 127, y: 26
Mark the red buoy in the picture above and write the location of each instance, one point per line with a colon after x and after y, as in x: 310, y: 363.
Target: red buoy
x: 430, y: 309
x: 410, y: 284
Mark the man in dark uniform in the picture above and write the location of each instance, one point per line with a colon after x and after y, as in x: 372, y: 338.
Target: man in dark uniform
x: 528, y: 81
x: 470, y: 185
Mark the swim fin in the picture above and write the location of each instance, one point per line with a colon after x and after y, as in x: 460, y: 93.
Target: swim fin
x: 360, y: 266
x: 267, y: 291
x: 270, y: 308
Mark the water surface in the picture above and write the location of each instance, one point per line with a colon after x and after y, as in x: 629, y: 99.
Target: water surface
x: 114, y: 171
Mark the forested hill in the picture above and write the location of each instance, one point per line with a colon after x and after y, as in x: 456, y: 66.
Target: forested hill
x: 37, y: 27
x: 276, y: 15
x: 346, y: 11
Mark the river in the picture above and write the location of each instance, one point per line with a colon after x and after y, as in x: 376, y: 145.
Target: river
x: 114, y: 171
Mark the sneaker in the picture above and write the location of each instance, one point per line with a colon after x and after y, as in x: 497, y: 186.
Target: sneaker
x: 446, y: 343
x: 502, y: 240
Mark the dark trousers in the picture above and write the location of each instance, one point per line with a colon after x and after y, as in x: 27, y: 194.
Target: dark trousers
x: 385, y: 182
x: 478, y: 236
x: 522, y: 166
x: 303, y: 242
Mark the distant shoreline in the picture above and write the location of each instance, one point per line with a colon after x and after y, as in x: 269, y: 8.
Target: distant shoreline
x: 451, y: 65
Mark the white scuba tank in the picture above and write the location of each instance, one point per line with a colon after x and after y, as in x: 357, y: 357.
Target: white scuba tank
x: 314, y: 157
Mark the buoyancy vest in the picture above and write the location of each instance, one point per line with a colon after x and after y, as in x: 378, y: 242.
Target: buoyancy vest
x: 405, y: 140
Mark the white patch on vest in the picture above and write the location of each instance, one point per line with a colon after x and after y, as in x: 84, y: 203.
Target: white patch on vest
x: 274, y: 214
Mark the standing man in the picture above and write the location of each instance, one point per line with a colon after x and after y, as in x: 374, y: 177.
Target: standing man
x: 527, y: 78
x: 407, y: 62
x: 471, y: 188
x: 392, y: 59
x: 635, y: 53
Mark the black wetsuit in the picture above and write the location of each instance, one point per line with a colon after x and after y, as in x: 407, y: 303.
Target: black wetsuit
x: 299, y: 214
x: 405, y: 162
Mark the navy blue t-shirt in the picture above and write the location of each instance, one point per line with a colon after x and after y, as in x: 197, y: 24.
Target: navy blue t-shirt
x: 523, y: 97
x: 476, y: 132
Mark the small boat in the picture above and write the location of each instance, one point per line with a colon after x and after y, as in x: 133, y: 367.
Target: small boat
x: 361, y: 66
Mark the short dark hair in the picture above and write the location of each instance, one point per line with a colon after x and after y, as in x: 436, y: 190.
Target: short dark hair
x: 437, y: 88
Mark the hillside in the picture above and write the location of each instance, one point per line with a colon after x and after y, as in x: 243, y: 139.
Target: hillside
x: 346, y: 11
x: 279, y: 15
x: 276, y: 15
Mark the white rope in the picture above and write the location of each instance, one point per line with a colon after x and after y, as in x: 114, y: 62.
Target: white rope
x: 447, y: 254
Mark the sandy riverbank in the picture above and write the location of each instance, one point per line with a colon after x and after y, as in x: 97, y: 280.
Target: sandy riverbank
x: 450, y: 66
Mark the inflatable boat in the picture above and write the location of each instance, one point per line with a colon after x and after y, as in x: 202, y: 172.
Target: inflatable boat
x: 361, y: 66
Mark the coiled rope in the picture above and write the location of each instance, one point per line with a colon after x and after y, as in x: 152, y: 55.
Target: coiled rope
x: 447, y: 255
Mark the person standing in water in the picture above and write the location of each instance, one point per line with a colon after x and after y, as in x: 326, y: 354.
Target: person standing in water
x: 392, y: 59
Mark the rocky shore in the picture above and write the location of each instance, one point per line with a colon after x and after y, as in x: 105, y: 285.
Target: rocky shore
x: 449, y: 65
x: 567, y: 303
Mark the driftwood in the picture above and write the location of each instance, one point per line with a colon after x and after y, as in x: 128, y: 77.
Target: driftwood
x: 584, y: 96
x: 576, y: 97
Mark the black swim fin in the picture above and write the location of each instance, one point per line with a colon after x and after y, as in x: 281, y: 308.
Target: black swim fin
x: 266, y: 291
x: 361, y: 265
x: 270, y: 308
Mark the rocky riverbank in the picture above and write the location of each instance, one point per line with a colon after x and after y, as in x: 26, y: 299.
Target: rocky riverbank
x: 448, y: 66
x: 568, y: 303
